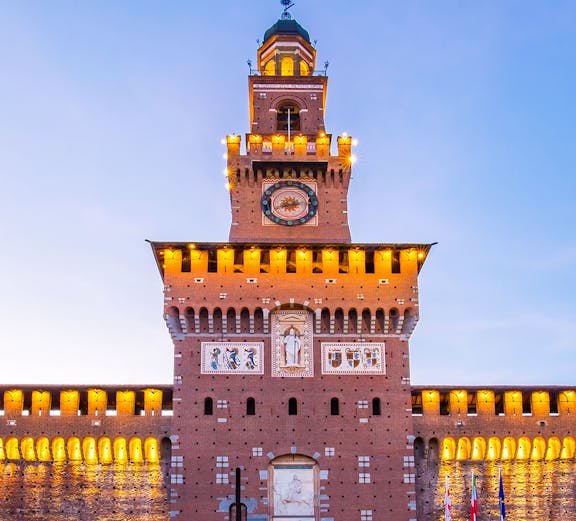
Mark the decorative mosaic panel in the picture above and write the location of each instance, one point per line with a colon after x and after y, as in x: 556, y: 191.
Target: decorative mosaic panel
x: 353, y: 358
x: 232, y: 358
x: 292, y: 353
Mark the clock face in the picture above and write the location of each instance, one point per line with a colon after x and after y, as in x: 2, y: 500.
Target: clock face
x: 289, y: 203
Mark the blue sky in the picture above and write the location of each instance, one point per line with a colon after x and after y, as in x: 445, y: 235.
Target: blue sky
x: 111, y: 116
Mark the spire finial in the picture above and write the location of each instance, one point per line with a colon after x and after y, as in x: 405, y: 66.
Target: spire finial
x: 287, y: 5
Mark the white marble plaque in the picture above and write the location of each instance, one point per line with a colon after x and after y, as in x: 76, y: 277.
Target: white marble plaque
x: 292, y: 353
x: 232, y: 358
x: 353, y: 358
x: 294, y: 492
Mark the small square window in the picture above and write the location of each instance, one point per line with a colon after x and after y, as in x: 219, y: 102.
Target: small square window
x: 409, y: 478
x: 256, y: 451
x: 222, y: 479
x: 222, y: 404
x: 363, y: 461
x: 365, y: 515
x: 328, y: 451
x: 362, y: 404
x: 364, y: 477
x: 221, y: 461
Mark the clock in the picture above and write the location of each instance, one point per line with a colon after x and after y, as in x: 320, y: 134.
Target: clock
x: 289, y: 203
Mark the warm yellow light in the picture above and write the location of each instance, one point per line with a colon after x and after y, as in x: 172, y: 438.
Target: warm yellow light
x: 355, y: 142
x: 232, y: 139
x: 228, y: 186
x: 224, y: 156
x: 223, y: 141
x: 352, y: 159
x: 255, y: 138
x: 420, y: 255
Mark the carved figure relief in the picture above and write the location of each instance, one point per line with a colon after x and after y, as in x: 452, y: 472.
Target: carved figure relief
x: 292, y: 343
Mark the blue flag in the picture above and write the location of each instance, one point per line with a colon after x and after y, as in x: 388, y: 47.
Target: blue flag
x: 501, y: 498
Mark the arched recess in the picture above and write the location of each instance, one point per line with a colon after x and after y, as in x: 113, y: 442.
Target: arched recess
x: 105, y: 452
x: 419, y: 450
x: 379, y: 321
x: 409, y: 321
x: 463, y: 450
x: 508, y: 448
x: 250, y: 407
x: 203, y: 318
x: 295, y: 482
x: 244, y: 321
x: 554, y: 448
x: 494, y: 449
x: 151, y: 450
x: 352, y: 321
x: 568, y: 447
x: 217, y: 320
x: 166, y: 450
x: 12, y: 449
x: 394, y: 319
x: 338, y: 321
x: 325, y: 321
x: 190, y: 323
x: 304, y: 68
x: 288, y: 115
x: 231, y: 320
x: 366, y: 321
x: 448, y: 449
x: 89, y: 450
x: 73, y: 448
x: 478, y: 449
x: 27, y: 448
x: 58, y: 449
x: 120, y: 450
x: 173, y: 321
x: 524, y: 448
x: 538, y: 448
x: 135, y: 449
x: 433, y: 450
x: 270, y: 68
x: 334, y: 407
x: 258, y: 320
x: 43, y: 449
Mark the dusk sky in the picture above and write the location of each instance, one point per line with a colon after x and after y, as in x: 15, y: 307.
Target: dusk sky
x: 111, y: 117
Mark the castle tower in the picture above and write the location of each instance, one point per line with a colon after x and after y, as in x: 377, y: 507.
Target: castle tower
x: 291, y: 342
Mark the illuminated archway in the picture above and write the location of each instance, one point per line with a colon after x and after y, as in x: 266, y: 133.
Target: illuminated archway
x: 58, y: 449
x: 538, y: 448
x: 27, y: 449
x: 43, y: 449
x: 74, y: 449
x: 105, y: 452
x: 151, y: 450
x: 2, y: 451
x: 554, y: 448
x: 89, y: 450
x: 287, y: 66
x: 463, y: 451
x: 479, y: 448
x: 12, y: 449
x: 494, y: 448
x: 568, y: 447
x: 508, y: 448
x: 120, y: 450
x: 135, y: 448
x: 524, y: 448
x: 448, y: 449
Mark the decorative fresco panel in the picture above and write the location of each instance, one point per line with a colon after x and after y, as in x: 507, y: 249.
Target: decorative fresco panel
x: 353, y: 358
x: 294, y: 493
x: 292, y: 353
x: 232, y: 358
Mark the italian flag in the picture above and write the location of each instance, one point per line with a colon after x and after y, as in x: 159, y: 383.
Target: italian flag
x: 474, y: 500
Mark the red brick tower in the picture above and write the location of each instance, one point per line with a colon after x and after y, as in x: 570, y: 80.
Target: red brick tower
x: 291, y: 343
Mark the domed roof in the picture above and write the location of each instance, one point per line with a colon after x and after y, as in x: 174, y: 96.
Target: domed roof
x: 287, y: 26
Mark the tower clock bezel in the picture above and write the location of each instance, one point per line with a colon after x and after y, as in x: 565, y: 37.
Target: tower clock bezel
x: 296, y: 190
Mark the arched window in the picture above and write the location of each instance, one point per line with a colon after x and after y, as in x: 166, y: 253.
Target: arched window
x: 376, y: 410
x: 287, y: 66
x: 203, y: 320
x: 292, y: 407
x: 208, y: 406
x: 334, y: 407
x: 270, y: 68
x: 304, y: 68
x: 217, y: 320
x: 288, y: 112
x: 250, y: 407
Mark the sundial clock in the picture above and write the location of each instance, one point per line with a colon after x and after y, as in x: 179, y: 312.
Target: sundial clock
x: 289, y: 203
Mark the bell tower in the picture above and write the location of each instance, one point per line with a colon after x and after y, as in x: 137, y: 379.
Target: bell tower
x: 287, y: 186
x: 291, y: 342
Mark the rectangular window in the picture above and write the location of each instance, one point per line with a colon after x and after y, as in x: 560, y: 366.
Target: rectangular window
x: 221, y: 461
x: 395, y: 261
x: 363, y: 461
x: 256, y: 451
x: 364, y: 477
x: 176, y: 479
x: 409, y: 461
x: 409, y: 478
x: 362, y: 404
x: 365, y: 515
x: 328, y: 451
x: 222, y: 404
x: 222, y: 479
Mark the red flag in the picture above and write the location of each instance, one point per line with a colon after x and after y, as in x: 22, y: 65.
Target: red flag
x: 474, y: 500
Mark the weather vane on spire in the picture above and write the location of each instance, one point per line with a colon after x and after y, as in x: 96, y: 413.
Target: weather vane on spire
x: 287, y: 5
